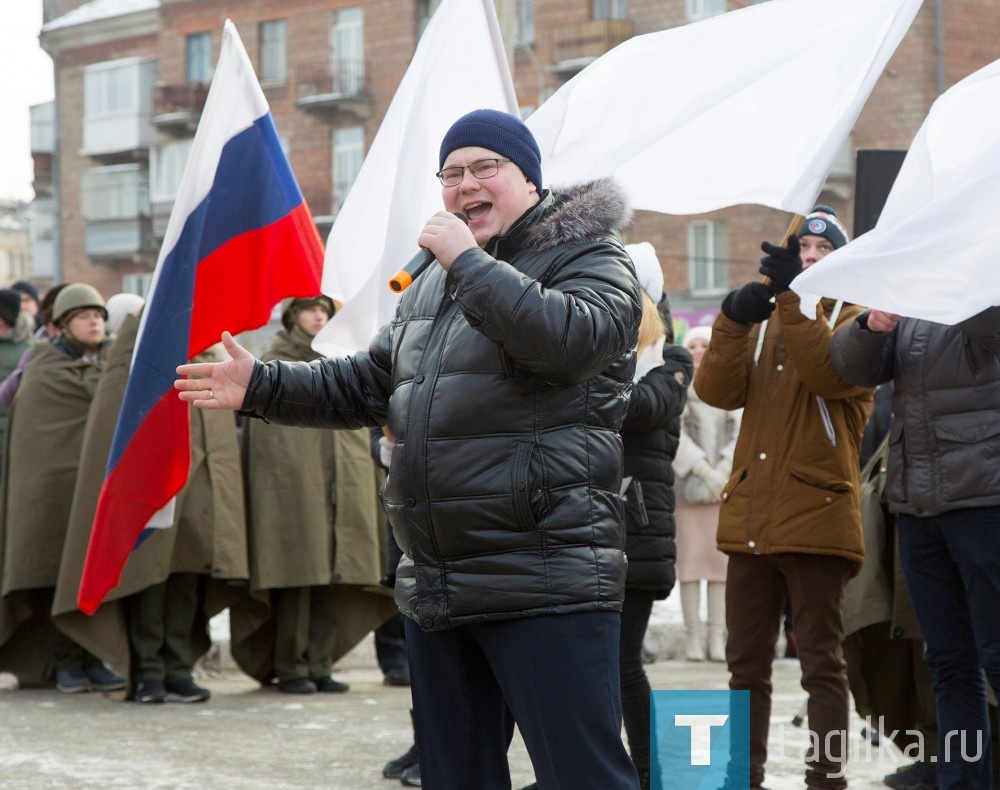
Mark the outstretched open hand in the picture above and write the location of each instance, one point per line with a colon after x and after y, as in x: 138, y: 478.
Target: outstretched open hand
x: 217, y: 385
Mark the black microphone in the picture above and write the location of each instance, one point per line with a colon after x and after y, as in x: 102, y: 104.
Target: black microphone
x: 402, y: 279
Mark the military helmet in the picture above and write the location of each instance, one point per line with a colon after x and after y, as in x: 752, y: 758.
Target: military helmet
x: 290, y: 307
x: 76, y: 296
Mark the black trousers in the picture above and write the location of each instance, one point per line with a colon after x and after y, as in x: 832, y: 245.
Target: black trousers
x: 635, y: 685
x: 556, y: 676
x: 160, y: 625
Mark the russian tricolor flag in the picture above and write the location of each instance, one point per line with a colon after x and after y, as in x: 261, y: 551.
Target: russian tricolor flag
x: 239, y: 240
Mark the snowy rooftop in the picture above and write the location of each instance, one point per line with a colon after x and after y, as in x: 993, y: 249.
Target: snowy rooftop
x: 100, y: 9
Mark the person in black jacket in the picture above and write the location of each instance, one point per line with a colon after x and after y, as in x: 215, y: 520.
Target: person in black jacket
x: 503, y: 378
x: 650, y: 434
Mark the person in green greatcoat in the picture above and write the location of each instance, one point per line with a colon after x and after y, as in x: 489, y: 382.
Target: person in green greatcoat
x: 42, y: 455
x: 153, y: 626
x: 315, y: 537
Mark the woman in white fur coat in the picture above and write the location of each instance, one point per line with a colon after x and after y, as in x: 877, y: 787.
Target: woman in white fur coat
x: 702, y: 466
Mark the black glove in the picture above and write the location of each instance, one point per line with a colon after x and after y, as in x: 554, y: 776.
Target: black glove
x: 750, y: 304
x: 678, y: 362
x: 781, y: 264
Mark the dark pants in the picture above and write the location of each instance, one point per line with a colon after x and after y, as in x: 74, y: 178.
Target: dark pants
x: 757, y: 586
x: 66, y: 653
x: 635, y: 685
x: 390, y: 644
x: 161, y: 622
x: 952, y: 567
x: 305, y: 630
x: 557, y: 675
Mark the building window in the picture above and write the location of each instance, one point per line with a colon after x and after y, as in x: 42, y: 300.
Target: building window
x: 425, y: 10
x: 198, y: 49
x: 609, y: 9
x: 699, y: 9
x: 273, y: 51
x: 166, y: 166
x: 524, y: 23
x: 348, y: 155
x: 137, y: 284
x: 347, y: 46
x: 111, y: 89
x: 114, y: 192
x: 708, y: 257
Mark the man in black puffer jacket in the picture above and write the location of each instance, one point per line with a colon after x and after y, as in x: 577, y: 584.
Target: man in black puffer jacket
x: 504, y: 379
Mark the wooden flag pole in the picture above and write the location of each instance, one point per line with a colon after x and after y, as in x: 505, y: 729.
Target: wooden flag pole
x: 793, y: 228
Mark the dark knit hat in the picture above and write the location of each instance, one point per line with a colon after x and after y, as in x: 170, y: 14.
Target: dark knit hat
x: 23, y: 286
x: 10, y: 305
x: 498, y: 131
x: 822, y: 221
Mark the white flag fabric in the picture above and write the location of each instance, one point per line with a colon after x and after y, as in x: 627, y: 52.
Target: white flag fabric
x: 934, y: 252
x: 459, y: 66
x: 751, y: 106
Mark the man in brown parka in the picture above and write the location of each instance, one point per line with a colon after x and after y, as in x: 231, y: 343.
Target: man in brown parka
x: 790, y: 513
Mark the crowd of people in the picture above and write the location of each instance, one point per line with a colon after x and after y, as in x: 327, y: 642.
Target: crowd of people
x: 550, y: 462
x: 285, y: 532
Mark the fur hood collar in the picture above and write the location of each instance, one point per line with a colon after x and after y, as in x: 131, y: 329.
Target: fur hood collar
x: 577, y: 213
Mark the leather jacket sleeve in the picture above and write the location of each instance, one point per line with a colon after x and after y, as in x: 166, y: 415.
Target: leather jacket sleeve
x: 346, y: 392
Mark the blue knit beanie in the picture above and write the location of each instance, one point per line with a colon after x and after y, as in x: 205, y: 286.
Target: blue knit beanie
x: 498, y: 131
x: 822, y: 221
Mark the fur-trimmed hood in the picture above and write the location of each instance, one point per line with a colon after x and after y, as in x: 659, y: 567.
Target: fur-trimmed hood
x: 579, y: 212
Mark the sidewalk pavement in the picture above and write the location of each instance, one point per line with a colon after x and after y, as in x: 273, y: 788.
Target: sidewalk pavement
x: 247, y: 737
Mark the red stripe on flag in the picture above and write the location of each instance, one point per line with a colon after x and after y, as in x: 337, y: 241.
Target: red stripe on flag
x: 227, y: 297
x: 147, y: 476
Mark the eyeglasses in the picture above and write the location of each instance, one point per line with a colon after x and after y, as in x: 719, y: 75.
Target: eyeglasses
x: 483, y: 168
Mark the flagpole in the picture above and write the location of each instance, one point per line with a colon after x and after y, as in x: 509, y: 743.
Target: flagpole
x: 793, y: 228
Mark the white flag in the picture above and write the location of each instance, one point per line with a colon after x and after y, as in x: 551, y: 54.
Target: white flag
x: 934, y: 252
x: 751, y: 106
x: 459, y: 66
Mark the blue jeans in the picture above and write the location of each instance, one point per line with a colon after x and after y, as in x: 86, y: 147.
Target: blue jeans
x: 952, y: 567
x: 556, y: 675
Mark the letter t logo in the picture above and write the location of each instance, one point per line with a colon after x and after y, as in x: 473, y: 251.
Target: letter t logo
x: 701, y: 734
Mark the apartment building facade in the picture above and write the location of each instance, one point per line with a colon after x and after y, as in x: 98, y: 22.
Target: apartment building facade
x: 132, y: 75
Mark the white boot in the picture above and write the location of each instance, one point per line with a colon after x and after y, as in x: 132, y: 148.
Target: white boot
x: 717, y: 621
x: 690, y: 595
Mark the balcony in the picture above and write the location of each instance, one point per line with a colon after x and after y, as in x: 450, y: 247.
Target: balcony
x: 177, y: 108
x: 160, y: 210
x: 114, y: 203
x: 117, y: 102
x: 577, y: 46
x: 42, y: 181
x: 116, y: 239
x: 341, y: 87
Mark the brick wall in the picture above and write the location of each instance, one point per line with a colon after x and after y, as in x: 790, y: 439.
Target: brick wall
x: 892, y: 116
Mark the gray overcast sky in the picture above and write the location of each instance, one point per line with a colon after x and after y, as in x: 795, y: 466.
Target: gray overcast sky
x: 26, y: 79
